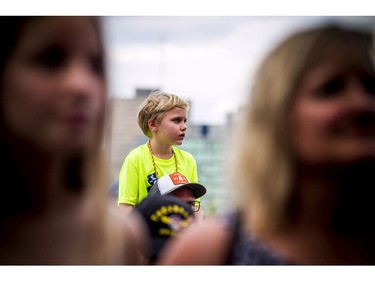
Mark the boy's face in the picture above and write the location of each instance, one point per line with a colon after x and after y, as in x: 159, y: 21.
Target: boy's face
x: 172, y: 128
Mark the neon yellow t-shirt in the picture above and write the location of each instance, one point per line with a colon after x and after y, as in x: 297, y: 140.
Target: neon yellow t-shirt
x: 137, y: 172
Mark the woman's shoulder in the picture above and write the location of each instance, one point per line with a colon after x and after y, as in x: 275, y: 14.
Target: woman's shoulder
x: 127, y: 238
x: 221, y: 240
x: 202, y: 243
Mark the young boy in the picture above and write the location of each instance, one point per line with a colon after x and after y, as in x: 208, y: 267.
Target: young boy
x: 162, y: 118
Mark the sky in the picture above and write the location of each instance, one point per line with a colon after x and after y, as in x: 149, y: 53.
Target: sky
x: 207, y: 60
x: 204, y: 51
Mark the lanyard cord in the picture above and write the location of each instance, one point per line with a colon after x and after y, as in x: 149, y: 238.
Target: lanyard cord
x: 153, y: 160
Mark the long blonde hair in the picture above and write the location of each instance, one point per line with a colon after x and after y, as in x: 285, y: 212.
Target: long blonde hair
x: 264, y: 159
x: 86, y: 172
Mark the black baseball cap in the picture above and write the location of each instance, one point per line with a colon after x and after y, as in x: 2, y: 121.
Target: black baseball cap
x: 165, y: 216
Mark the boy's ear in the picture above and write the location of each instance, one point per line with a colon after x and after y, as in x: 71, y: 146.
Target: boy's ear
x: 152, y: 125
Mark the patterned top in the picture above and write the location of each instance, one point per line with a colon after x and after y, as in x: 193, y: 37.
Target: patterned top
x: 246, y: 249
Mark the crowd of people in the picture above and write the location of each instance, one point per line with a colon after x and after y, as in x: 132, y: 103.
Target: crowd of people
x: 302, y: 167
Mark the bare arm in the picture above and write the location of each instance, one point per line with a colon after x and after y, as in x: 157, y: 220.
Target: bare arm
x: 204, y: 243
x: 125, y: 209
x: 139, y: 245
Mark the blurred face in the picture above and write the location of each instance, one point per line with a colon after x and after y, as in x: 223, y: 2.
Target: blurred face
x: 333, y: 115
x: 53, y: 87
x: 187, y: 196
x: 184, y: 194
x: 172, y: 128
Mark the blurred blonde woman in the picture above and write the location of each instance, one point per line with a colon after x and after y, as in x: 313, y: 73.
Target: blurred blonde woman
x: 52, y: 104
x: 304, y: 162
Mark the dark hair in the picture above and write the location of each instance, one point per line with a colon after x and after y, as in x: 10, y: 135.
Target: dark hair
x: 13, y: 184
x: 11, y: 28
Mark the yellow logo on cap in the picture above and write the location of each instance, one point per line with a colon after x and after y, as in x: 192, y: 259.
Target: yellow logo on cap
x: 169, y: 215
x: 170, y: 209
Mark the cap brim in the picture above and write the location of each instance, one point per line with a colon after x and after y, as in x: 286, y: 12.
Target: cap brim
x: 197, y: 189
x: 154, y: 190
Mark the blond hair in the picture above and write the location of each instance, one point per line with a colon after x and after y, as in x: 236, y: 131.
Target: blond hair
x: 155, y: 106
x: 264, y: 161
x: 84, y: 174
